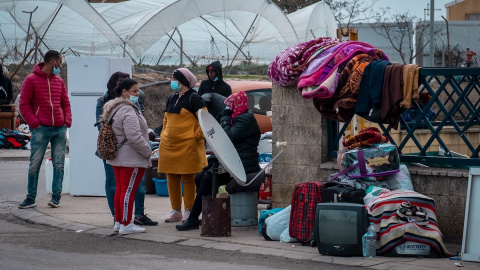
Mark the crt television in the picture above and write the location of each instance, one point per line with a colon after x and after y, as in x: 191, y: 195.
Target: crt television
x: 339, y: 228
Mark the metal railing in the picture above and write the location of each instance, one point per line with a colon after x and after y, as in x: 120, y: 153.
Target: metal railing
x: 452, y: 105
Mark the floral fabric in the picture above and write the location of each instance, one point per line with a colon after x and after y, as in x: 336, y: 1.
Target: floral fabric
x: 287, y: 66
x: 238, y: 104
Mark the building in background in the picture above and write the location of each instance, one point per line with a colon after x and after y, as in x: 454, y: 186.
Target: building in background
x: 463, y: 10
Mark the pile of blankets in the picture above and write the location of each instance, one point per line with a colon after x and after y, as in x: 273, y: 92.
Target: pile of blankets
x: 337, y: 74
x: 391, y: 232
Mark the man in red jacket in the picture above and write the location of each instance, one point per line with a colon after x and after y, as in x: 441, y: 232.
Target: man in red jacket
x: 45, y: 106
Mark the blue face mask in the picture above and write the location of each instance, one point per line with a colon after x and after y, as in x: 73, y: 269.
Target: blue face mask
x: 56, y: 70
x: 216, y: 79
x: 174, y: 85
x: 134, y: 99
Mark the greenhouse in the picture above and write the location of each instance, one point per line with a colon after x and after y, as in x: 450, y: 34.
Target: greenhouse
x: 160, y: 32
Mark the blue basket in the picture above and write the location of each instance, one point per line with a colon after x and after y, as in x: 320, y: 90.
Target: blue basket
x: 264, y: 157
x: 161, y: 187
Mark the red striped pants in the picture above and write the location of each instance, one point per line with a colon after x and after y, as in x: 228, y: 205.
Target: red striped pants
x: 127, y: 180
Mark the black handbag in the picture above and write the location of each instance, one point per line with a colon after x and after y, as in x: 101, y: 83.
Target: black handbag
x: 335, y: 192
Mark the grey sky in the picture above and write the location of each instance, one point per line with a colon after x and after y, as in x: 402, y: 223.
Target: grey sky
x: 415, y: 7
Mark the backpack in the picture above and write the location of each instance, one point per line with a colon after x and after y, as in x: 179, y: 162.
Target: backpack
x: 107, y: 142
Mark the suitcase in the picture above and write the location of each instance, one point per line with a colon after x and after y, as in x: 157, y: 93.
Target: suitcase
x: 305, y: 198
x: 340, y: 193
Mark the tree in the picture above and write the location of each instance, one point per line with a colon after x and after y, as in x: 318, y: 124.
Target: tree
x: 456, y: 56
x: 399, y: 29
x: 289, y: 6
x: 347, y: 12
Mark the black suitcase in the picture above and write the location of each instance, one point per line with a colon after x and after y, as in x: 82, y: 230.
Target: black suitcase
x: 341, y: 193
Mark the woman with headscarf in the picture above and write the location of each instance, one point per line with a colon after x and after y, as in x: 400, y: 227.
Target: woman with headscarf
x: 241, y: 127
x: 182, y: 144
x: 133, y: 152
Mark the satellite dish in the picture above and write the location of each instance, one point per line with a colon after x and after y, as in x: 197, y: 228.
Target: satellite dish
x: 222, y: 146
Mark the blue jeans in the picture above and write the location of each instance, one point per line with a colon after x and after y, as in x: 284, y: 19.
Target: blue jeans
x: 41, y: 136
x: 110, y: 187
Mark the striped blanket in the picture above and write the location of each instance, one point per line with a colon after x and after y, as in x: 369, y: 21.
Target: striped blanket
x: 382, y: 211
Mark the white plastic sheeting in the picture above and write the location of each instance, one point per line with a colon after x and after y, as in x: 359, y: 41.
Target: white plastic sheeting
x: 164, y: 31
x: 314, y: 21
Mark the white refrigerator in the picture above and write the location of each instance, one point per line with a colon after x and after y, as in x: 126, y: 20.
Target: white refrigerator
x: 87, y: 81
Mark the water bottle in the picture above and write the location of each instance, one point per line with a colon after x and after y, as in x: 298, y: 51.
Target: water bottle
x: 369, y: 242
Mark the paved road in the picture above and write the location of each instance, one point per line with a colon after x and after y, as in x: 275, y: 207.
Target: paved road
x: 29, y: 246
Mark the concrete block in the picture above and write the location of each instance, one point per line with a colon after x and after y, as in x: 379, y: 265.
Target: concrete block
x: 451, y: 228
x: 308, y: 155
x: 452, y: 206
x: 459, y: 186
x: 439, y: 172
x: 424, y: 172
x: 455, y: 174
x: 288, y: 156
x: 289, y: 174
x: 433, y: 186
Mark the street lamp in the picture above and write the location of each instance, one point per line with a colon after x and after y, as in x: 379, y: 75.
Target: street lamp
x: 28, y: 31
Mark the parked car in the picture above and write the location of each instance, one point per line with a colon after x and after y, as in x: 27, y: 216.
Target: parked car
x: 259, y: 100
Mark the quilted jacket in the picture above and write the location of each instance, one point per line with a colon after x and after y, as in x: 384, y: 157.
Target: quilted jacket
x: 128, y: 123
x: 44, y: 100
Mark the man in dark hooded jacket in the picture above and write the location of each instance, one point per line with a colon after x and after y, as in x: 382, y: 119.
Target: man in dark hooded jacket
x: 215, y: 83
x: 6, y: 89
x: 215, y: 104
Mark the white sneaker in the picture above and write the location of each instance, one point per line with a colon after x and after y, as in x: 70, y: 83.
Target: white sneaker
x: 130, y: 228
x: 116, y: 227
x: 174, y: 216
x: 186, y: 215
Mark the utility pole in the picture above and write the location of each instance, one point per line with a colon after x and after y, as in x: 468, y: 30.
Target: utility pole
x: 28, y: 31
x: 448, y: 41
x: 432, y: 37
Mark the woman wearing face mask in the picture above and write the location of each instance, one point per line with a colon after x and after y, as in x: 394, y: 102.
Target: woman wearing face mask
x: 140, y: 217
x: 182, y: 145
x: 240, y: 125
x: 133, y: 154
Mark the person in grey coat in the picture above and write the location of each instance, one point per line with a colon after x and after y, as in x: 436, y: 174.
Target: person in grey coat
x: 133, y: 154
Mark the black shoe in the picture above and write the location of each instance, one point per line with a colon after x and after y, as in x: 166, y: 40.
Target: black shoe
x: 55, y: 201
x: 27, y: 203
x: 144, y: 220
x: 188, y: 225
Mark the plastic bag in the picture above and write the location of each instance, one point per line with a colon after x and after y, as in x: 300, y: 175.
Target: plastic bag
x: 285, y: 237
x: 400, y: 180
x: 373, y: 193
x: 277, y: 223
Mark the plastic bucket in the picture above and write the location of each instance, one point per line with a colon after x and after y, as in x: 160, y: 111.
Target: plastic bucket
x: 161, y: 187
x: 244, y: 209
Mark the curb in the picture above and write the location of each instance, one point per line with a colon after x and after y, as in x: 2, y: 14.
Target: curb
x: 35, y: 217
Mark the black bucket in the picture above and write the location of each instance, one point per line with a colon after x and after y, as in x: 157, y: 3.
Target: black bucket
x: 216, y: 217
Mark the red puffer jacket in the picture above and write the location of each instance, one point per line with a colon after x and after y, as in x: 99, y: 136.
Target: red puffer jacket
x: 44, y: 100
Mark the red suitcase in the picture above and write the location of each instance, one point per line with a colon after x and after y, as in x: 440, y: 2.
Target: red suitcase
x: 305, y: 198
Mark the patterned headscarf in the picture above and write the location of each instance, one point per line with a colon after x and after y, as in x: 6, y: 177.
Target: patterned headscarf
x: 238, y: 104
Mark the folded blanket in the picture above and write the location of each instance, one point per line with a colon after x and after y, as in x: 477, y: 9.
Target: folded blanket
x: 332, y: 61
x: 289, y: 64
x: 365, y: 137
x: 382, y: 212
